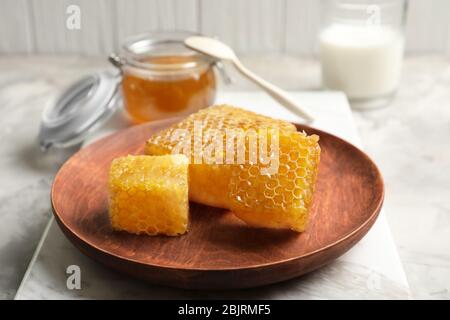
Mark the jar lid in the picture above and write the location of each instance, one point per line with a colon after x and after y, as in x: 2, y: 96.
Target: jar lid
x: 79, y: 110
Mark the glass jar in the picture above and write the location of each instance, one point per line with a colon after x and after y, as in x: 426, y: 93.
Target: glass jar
x: 162, y: 78
x: 361, y: 46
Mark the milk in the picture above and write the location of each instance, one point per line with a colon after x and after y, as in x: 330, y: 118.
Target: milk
x: 364, y: 61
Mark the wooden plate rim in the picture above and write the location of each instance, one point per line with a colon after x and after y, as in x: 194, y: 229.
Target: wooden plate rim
x: 63, y: 225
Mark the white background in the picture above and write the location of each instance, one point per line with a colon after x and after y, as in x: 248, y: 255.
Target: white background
x: 251, y: 26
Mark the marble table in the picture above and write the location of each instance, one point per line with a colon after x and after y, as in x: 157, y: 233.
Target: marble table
x: 371, y: 269
x: 408, y: 140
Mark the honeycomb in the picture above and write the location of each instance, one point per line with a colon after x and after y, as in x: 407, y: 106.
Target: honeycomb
x: 278, y: 199
x: 149, y: 194
x: 201, y: 176
x: 282, y: 199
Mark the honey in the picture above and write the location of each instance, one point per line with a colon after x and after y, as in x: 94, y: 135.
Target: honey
x: 149, y: 195
x: 162, y: 78
x: 170, y: 92
x: 279, y: 199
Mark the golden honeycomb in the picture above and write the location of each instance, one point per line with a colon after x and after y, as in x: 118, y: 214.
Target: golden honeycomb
x: 208, y: 183
x: 219, y: 117
x: 149, y: 194
x: 281, y: 199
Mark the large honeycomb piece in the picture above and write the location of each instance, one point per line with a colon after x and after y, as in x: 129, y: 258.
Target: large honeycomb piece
x: 209, y: 183
x: 149, y: 195
x: 218, y: 117
x: 281, y: 199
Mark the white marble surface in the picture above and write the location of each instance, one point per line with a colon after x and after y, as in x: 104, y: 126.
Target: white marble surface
x: 371, y: 269
x: 346, y: 278
x: 408, y: 140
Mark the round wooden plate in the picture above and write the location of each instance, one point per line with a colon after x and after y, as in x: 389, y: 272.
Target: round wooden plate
x: 219, y: 251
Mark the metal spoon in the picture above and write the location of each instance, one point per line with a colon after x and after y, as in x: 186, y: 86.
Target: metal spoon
x: 217, y: 49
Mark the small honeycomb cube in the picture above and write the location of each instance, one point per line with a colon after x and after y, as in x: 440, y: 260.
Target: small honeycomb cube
x: 149, y: 194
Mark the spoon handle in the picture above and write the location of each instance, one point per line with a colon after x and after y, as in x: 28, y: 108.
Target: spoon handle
x: 278, y: 94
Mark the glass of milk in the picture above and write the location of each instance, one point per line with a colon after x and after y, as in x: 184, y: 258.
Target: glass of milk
x: 361, y: 47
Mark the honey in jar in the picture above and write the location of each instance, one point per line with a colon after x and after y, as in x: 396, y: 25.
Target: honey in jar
x: 162, y: 78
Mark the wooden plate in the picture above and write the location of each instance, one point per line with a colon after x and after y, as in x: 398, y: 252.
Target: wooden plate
x: 219, y: 252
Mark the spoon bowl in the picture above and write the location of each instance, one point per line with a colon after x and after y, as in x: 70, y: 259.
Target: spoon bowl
x: 210, y: 47
x: 219, y: 50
